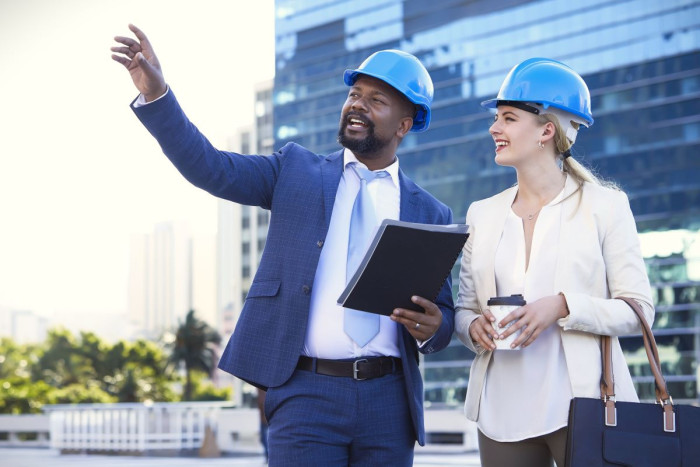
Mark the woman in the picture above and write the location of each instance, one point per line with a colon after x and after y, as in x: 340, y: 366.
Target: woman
x: 568, y: 243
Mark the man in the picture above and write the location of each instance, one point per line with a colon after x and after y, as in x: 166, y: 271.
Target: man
x: 333, y: 398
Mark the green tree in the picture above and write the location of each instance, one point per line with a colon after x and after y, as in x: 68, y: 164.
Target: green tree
x: 19, y: 395
x: 16, y: 360
x: 82, y: 394
x: 93, y: 349
x: 194, y: 346
x: 62, y: 362
x: 71, y: 369
x: 136, y: 372
x: 204, y: 390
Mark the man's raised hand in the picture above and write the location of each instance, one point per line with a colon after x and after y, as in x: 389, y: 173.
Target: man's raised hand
x: 138, y: 57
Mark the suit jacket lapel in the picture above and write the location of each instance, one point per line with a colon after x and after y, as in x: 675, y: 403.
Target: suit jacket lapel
x: 491, y: 228
x: 567, y: 231
x: 408, y: 205
x: 331, y: 171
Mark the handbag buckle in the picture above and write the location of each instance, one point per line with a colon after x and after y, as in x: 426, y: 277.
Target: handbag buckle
x: 663, y: 402
x: 610, y: 410
x: 669, y: 414
x: 670, y: 423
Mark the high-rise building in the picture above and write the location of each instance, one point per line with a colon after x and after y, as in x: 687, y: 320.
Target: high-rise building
x: 204, y: 278
x: 170, y: 273
x: 640, y: 59
x: 23, y: 326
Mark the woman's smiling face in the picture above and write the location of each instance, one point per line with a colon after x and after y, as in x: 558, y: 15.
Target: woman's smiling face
x: 516, y: 133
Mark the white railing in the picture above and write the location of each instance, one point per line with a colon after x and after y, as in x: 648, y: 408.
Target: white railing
x: 180, y: 426
x: 132, y: 427
x: 27, y: 430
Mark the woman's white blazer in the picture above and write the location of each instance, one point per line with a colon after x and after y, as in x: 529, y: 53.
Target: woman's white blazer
x: 599, y: 258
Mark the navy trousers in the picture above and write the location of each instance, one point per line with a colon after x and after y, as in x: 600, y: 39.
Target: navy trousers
x: 323, y: 420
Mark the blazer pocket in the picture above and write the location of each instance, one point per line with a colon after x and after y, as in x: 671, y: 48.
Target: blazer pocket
x: 264, y: 289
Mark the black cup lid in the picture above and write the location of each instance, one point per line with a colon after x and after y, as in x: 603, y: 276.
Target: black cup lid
x: 513, y: 300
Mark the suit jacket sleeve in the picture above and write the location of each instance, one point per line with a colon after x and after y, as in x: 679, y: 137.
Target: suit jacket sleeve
x: 243, y: 179
x: 467, y: 308
x: 624, y: 269
x: 445, y: 303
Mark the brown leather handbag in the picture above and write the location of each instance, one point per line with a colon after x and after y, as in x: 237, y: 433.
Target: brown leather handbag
x: 603, y: 432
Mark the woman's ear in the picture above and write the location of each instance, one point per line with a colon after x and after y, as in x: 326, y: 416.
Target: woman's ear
x: 548, y: 131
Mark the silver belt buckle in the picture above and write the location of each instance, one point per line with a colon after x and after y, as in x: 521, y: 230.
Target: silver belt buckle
x: 355, y: 370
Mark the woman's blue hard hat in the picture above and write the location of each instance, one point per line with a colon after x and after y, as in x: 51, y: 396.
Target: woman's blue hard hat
x: 549, y: 83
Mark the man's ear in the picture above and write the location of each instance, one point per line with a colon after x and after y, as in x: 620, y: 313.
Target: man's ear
x: 405, y: 125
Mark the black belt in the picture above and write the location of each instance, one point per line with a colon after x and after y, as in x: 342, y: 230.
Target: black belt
x: 362, y: 368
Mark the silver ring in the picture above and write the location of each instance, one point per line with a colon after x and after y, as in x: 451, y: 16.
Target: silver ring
x: 417, y: 325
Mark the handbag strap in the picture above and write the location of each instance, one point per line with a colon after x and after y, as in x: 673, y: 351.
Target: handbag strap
x: 651, y: 350
x: 607, y: 384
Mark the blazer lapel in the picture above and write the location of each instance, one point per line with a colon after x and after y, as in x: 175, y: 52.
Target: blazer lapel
x: 331, y: 171
x: 490, y: 229
x: 567, y: 231
x: 408, y: 205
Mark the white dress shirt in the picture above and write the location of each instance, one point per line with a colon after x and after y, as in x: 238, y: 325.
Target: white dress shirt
x: 527, y: 391
x: 325, y: 337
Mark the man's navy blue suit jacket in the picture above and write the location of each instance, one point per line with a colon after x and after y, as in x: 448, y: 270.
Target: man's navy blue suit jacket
x: 299, y: 189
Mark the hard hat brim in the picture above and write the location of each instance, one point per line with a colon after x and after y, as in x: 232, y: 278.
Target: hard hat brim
x: 490, y: 103
x: 585, y: 120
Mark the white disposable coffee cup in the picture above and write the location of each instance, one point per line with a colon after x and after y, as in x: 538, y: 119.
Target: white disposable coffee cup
x: 500, y: 307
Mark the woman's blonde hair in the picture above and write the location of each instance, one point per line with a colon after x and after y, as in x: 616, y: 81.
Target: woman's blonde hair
x: 570, y: 165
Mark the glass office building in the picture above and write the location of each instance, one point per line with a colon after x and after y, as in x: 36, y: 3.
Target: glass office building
x: 641, y: 61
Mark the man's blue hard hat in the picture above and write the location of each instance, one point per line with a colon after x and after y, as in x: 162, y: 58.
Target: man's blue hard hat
x: 549, y: 83
x: 405, y: 73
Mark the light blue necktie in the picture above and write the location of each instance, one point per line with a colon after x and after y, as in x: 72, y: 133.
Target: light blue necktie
x: 359, y: 325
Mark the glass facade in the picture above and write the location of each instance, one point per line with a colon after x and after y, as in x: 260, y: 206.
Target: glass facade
x: 640, y: 59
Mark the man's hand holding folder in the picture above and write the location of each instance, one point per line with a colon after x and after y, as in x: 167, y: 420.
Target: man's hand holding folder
x: 403, y: 271
x: 421, y: 324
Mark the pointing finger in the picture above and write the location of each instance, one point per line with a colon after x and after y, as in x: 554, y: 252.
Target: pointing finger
x: 138, y: 33
x: 141, y: 36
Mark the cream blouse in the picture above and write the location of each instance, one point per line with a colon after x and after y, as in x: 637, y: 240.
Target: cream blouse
x: 527, y: 392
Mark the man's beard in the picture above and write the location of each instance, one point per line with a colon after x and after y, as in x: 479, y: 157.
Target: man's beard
x: 370, y: 144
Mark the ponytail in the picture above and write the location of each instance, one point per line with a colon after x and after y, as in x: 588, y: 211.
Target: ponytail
x: 571, y: 166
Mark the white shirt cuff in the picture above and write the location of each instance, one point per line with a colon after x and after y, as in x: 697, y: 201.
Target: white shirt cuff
x: 422, y: 344
x: 141, y: 100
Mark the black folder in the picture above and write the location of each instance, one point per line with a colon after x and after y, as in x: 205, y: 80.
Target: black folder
x: 404, y: 259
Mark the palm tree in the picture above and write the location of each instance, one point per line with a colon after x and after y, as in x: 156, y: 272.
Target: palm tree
x: 195, y: 345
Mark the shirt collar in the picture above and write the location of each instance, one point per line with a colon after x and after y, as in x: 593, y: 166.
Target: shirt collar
x: 393, y: 169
